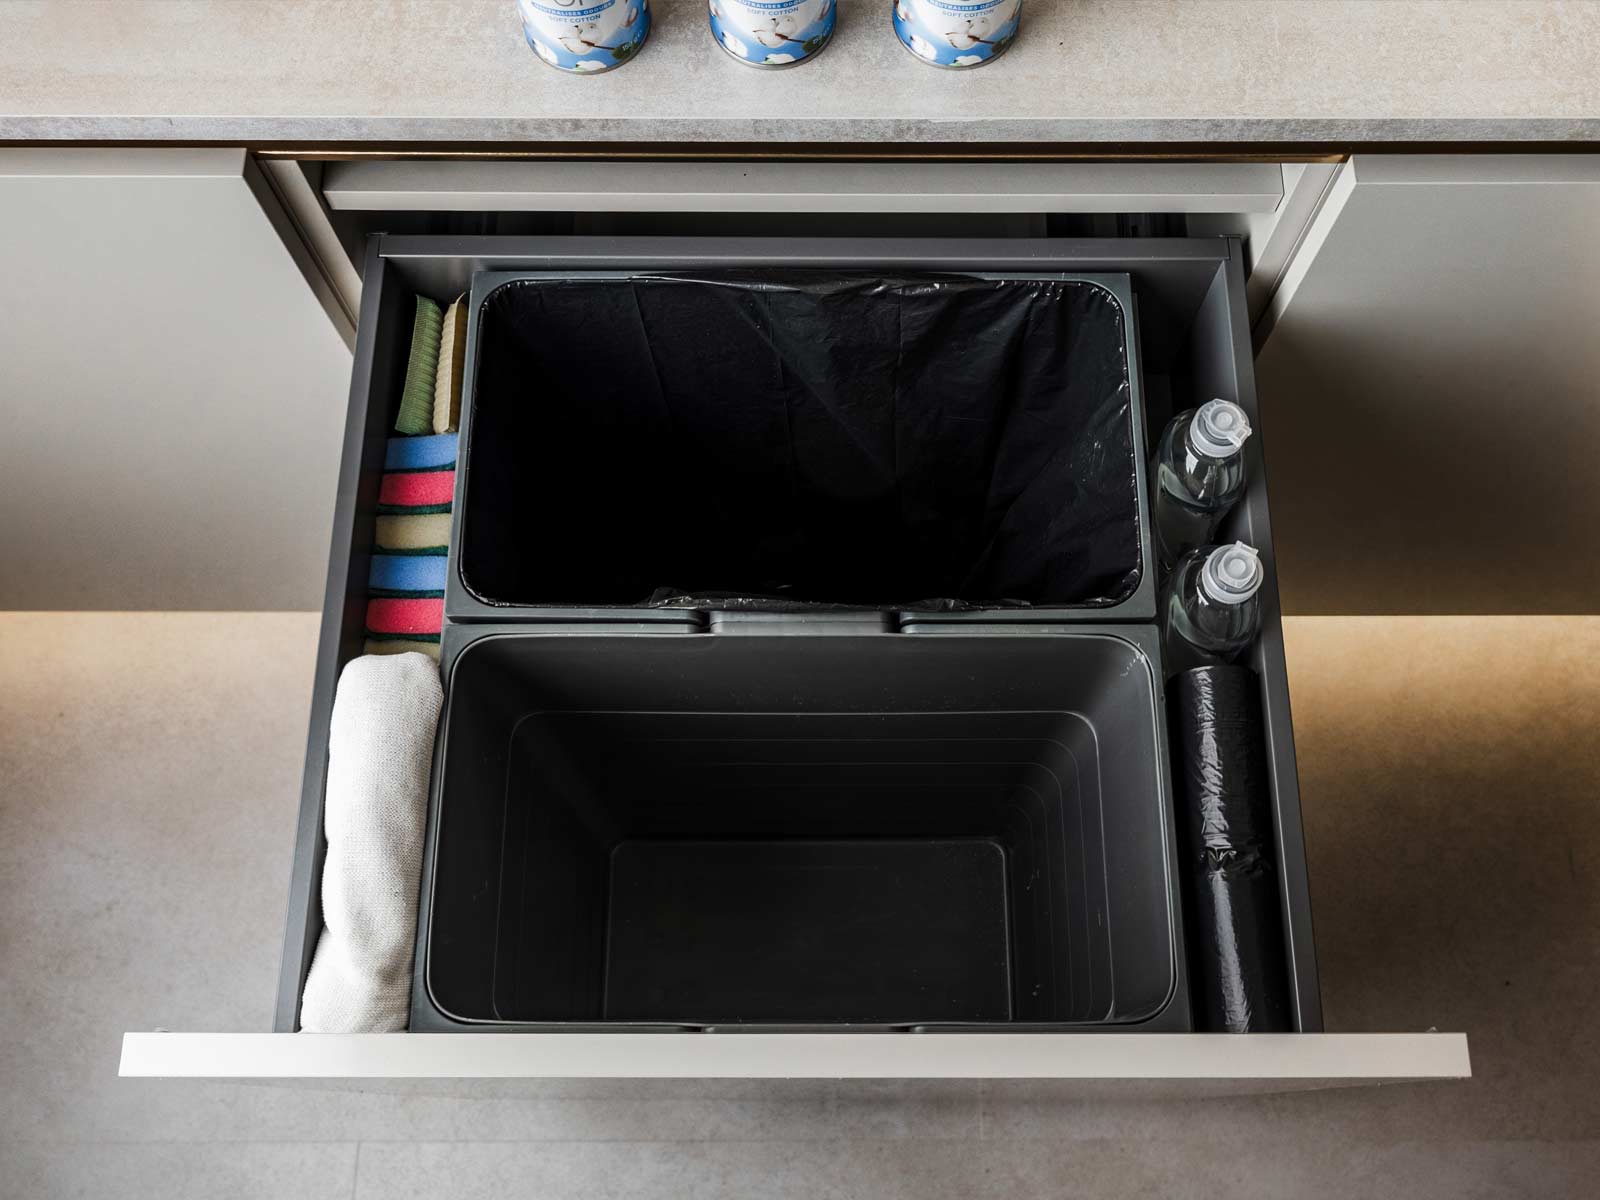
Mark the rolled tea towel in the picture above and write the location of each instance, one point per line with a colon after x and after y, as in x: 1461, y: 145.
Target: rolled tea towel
x: 380, y: 754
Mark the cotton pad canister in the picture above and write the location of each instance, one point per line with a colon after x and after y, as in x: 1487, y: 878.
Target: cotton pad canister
x: 585, y: 37
x: 773, y: 33
x: 957, y: 33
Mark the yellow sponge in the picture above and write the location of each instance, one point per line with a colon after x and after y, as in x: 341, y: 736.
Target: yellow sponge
x: 452, y: 366
x: 423, y: 531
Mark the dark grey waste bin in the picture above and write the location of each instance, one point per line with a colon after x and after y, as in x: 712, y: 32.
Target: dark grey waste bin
x: 790, y: 439
x: 886, y: 830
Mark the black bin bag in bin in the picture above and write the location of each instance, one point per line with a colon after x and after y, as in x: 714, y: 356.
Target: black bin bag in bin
x: 801, y: 437
x: 1238, y: 967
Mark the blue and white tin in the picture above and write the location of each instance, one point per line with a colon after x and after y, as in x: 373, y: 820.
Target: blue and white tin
x: 773, y: 33
x: 957, y: 33
x: 585, y: 36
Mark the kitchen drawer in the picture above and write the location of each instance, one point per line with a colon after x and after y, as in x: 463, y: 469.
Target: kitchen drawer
x: 1194, y: 341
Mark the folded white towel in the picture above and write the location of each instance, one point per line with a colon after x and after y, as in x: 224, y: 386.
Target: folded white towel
x: 380, y: 753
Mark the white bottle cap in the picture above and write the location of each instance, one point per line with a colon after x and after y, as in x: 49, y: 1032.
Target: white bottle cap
x: 1219, y: 428
x: 1232, y: 574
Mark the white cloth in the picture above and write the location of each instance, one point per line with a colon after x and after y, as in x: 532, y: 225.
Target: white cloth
x: 380, y: 754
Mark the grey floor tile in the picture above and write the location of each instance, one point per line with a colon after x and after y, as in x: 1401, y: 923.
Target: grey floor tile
x: 1154, y: 1165
x: 1488, y: 1169
x: 149, y: 771
x: 157, y: 1171
x: 149, y: 777
x: 621, y: 1110
x: 908, y: 1108
x: 702, y: 1170
x: 1450, y: 768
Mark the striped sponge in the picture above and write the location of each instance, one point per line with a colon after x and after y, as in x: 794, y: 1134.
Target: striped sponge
x: 405, y: 587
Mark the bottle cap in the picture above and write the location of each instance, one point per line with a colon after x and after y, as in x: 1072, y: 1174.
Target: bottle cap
x: 1219, y: 428
x: 1232, y: 574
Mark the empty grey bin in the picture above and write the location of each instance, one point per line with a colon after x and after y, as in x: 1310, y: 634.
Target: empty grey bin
x: 881, y: 830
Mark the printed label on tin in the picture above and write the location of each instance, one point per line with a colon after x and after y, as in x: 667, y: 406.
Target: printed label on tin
x: 772, y: 33
x: 950, y: 33
x: 585, y: 35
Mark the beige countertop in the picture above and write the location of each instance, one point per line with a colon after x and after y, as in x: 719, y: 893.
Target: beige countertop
x: 303, y: 72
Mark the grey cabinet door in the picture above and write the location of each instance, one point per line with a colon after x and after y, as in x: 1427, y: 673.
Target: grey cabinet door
x: 171, y: 391
x: 1429, y: 375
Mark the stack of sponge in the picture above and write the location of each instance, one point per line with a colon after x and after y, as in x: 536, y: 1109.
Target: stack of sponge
x: 431, y: 400
x: 405, y: 590
x: 405, y: 606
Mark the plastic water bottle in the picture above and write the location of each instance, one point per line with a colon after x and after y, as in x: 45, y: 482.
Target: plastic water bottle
x: 1209, y: 612
x: 1199, y: 476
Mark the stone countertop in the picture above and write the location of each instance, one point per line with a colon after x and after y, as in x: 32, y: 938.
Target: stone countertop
x: 1332, y: 73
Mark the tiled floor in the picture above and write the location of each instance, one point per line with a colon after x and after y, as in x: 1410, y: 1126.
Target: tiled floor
x: 149, y: 773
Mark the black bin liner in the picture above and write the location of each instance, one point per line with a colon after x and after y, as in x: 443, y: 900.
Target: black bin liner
x: 801, y: 437
x: 848, y: 829
x: 1238, y: 967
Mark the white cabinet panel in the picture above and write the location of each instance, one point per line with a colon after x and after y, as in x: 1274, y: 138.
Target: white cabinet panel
x: 173, y: 393
x: 1430, y: 389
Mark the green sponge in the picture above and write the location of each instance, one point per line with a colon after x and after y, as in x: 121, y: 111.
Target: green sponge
x: 416, y: 402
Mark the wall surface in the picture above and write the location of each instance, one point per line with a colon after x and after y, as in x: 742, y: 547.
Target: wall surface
x: 173, y: 394
x: 1082, y: 70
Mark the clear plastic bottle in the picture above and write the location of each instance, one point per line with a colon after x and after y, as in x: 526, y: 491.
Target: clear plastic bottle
x: 1210, y: 613
x: 1199, y: 476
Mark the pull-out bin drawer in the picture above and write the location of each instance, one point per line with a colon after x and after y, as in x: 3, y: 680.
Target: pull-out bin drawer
x: 1176, y: 312
x: 1028, y: 799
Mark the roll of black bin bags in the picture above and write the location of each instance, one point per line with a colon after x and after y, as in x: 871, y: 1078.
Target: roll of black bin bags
x: 1234, y: 925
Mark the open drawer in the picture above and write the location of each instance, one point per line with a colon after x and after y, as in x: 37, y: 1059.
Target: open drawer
x: 1193, y: 343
